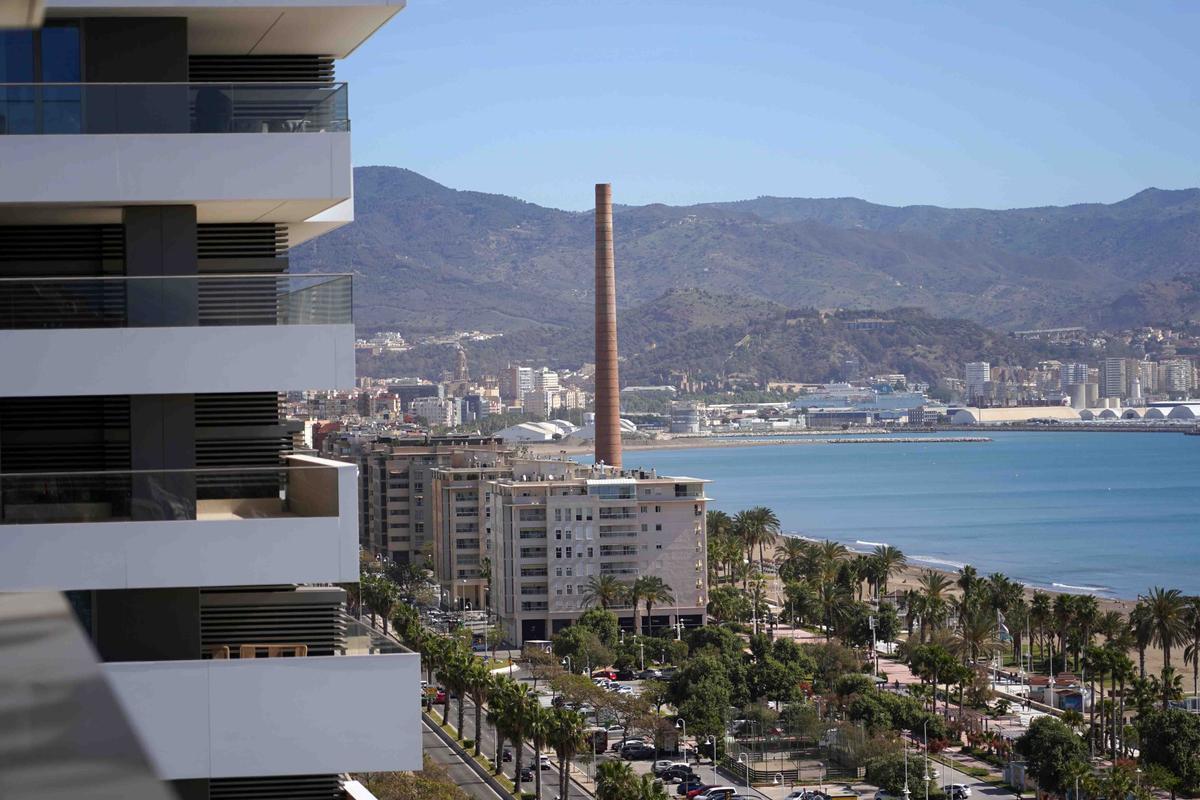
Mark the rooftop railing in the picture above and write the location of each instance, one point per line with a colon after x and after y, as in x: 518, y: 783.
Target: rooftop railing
x: 205, y: 494
x: 75, y: 108
x: 122, y: 301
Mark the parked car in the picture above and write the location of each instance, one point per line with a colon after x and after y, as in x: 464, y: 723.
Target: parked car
x: 622, y: 689
x: 690, y: 785
x: 620, y: 743
x: 626, y: 675
x: 661, y: 764
x: 526, y: 774
x: 605, y: 673
x: 717, y: 793
x: 959, y: 791
x: 882, y: 795
x: 638, y: 751
x: 649, y: 674
x: 677, y: 772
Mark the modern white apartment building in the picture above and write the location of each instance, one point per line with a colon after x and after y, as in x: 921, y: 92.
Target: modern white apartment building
x: 977, y: 374
x: 552, y: 525
x: 158, y: 158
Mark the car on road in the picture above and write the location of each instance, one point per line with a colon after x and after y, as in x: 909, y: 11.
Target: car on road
x: 621, y: 689
x: 661, y: 764
x: 526, y: 774
x: 544, y: 761
x: 506, y: 755
x: 692, y: 785
x: 650, y: 674
x: 958, y: 791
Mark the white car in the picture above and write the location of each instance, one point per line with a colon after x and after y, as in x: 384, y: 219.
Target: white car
x: 659, y: 766
x: 624, y: 690
x: 958, y: 791
x: 717, y: 791
x: 544, y: 761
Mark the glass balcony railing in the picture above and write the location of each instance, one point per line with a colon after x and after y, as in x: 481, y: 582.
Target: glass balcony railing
x: 169, y: 495
x: 74, y: 108
x: 175, y: 301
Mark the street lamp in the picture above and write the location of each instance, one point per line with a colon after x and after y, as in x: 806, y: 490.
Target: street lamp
x: 642, y: 653
x: 712, y: 740
x: 567, y: 662
x: 682, y: 723
x: 925, y: 734
x: 745, y: 761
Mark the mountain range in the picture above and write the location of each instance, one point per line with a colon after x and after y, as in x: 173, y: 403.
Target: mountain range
x: 429, y: 258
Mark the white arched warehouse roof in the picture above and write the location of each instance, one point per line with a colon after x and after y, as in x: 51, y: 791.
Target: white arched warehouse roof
x: 996, y: 416
x: 1108, y: 413
x: 1157, y: 412
x: 1087, y: 415
x: 1185, y: 411
x: 1133, y: 413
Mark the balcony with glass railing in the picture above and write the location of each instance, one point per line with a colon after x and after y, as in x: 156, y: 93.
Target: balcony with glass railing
x: 114, y: 108
x: 111, y: 529
x: 65, y: 336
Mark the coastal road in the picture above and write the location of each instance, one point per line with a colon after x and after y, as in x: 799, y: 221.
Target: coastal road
x: 455, y: 766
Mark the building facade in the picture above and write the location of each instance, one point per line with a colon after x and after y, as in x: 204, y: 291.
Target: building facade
x: 553, y: 525
x: 157, y: 162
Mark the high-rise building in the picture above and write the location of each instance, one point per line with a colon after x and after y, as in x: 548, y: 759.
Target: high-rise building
x: 514, y: 383
x: 1177, y: 377
x: 1072, y: 373
x: 977, y: 374
x: 157, y: 161
x: 1113, y: 380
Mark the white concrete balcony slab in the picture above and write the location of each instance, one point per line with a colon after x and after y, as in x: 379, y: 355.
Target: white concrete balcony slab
x: 274, y: 716
x: 77, y: 153
x: 175, y: 335
x: 213, y: 527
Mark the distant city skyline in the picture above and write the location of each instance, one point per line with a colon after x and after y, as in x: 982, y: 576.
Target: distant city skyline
x: 679, y: 103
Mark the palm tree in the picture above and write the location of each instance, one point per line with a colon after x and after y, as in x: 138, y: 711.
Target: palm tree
x: 968, y: 579
x: 478, y: 683
x: 828, y: 556
x: 888, y: 561
x: 978, y: 635
x: 539, y: 732
x: 719, y: 529
x: 1110, y: 625
x: 566, y: 730
x: 1141, y: 625
x: 793, y: 554
x: 1085, y: 617
x: 500, y: 700
x: 1191, y: 655
x: 767, y: 524
x: 1168, y: 610
x: 1040, y: 614
x: 651, y: 590
x: 605, y: 590
x: 835, y: 603
x: 935, y: 588
x: 613, y: 780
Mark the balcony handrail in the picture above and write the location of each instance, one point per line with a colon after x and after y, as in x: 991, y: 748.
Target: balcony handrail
x: 206, y: 275
x: 175, y: 471
x: 238, y: 84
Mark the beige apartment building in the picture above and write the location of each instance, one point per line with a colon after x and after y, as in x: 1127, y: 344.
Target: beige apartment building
x: 553, y: 525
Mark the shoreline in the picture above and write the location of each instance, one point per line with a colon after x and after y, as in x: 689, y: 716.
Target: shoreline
x: 978, y: 434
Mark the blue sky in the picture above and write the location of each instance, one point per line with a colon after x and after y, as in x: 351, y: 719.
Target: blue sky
x: 989, y: 104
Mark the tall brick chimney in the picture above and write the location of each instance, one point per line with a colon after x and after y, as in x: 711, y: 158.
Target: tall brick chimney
x: 608, y: 390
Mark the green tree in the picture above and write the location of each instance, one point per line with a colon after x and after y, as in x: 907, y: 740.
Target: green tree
x: 1054, y: 753
x: 582, y: 646
x: 603, y: 623
x: 1171, y: 740
x: 1168, y: 611
x: 565, y: 735
x: 650, y: 590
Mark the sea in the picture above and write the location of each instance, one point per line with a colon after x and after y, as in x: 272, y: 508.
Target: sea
x: 1110, y: 514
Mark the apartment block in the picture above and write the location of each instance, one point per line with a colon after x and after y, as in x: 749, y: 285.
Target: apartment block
x: 158, y: 160
x: 555, y: 524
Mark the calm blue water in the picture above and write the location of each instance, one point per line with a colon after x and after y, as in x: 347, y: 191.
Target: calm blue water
x: 1112, y: 513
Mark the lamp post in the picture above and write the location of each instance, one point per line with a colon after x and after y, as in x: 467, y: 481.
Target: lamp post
x: 925, y: 735
x: 906, y: 792
x: 745, y: 762
x: 712, y: 740
x: 642, y: 653
x: 567, y: 661
x: 682, y: 723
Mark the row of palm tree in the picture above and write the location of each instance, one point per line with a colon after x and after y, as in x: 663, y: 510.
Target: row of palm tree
x: 733, y: 542
x: 608, y: 591
x: 512, y: 710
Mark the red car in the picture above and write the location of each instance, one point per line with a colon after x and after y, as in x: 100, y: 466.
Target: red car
x: 440, y: 697
x: 605, y: 673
